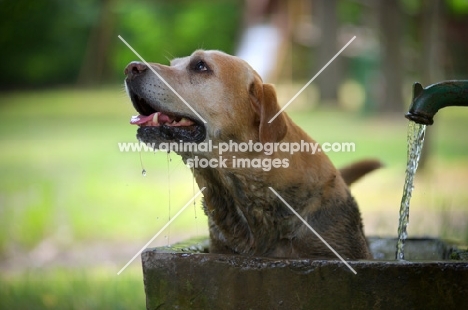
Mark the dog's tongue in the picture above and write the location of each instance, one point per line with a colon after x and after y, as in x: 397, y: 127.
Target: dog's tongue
x: 141, y: 119
x: 158, y: 119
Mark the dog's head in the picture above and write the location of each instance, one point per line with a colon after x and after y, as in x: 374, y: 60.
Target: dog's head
x: 207, y: 96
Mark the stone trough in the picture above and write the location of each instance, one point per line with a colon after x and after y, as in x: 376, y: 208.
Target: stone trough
x: 186, y: 276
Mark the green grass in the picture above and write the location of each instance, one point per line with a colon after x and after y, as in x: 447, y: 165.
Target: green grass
x: 73, y: 289
x: 64, y: 180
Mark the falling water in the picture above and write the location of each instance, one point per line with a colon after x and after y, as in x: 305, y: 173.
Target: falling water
x: 415, y: 143
x: 143, y: 170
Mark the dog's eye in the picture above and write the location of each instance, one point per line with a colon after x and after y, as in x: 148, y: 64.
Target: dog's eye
x: 201, y: 66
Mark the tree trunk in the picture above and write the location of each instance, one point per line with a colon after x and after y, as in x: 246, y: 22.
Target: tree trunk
x: 391, y: 42
x: 329, y: 80
x: 97, y: 50
x: 431, y: 61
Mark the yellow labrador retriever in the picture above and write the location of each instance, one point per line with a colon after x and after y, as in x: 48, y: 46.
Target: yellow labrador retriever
x: 231, y: 106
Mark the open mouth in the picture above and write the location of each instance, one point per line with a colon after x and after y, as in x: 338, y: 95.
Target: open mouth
x: 156, y: 126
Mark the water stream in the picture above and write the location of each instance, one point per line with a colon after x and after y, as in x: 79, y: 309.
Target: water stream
x: 415, y: 143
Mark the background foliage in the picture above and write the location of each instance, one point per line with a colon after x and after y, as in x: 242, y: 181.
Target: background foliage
x: 54, y: 42
x: 48, y: 42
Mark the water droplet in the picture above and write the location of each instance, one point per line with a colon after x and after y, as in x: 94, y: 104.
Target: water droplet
x: 143, y: 172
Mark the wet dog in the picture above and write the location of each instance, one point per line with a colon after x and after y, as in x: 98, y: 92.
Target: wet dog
x: 217, y: 98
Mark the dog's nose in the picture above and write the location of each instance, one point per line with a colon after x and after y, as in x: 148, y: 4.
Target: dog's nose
x: 135, y: 68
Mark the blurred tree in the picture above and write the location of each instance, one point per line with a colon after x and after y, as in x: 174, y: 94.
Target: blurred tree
x: 459, y: 7
x: 431, y: 67
x: 95, y: 62
x: 42, y: 43
x: 391, y: 46
x: 50, y: 42
x: 162, y: 30
x: 455, y: 29
x: 329, y: 80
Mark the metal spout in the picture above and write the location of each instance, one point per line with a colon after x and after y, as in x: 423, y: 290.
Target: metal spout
x: 427, y: 101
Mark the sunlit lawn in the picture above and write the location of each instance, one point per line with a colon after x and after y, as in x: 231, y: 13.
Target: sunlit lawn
x: 93, y: 288
x: 64, y: 180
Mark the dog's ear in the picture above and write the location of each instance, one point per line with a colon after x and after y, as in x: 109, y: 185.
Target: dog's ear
x: 265, y: 103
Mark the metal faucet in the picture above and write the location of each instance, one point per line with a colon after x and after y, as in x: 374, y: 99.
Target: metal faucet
x: 427, y: 101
